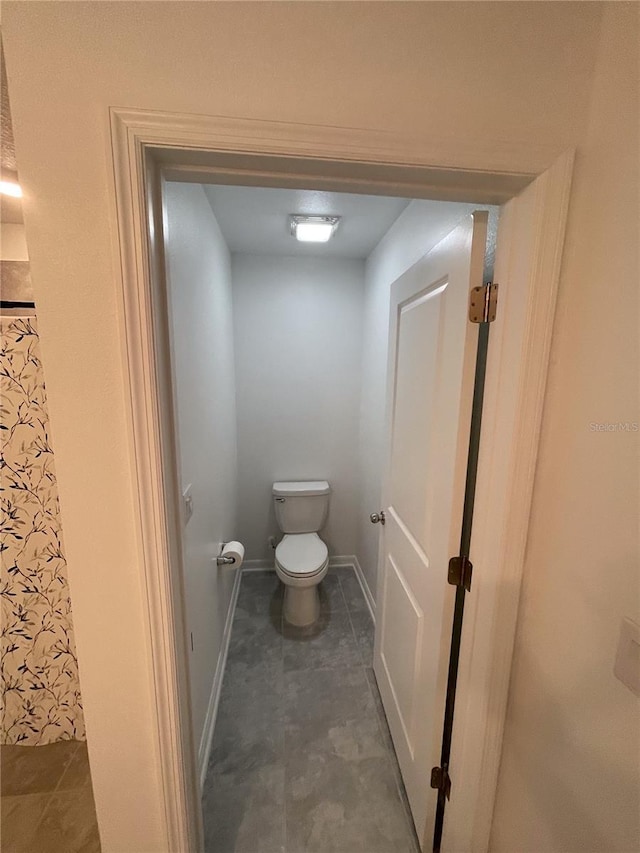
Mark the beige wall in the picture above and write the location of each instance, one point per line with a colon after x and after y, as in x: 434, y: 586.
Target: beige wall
x: 517, y: 74
x: 13, y: 242
x: 570, y: 774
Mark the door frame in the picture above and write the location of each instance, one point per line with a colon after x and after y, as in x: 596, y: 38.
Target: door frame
x: 147, y: 146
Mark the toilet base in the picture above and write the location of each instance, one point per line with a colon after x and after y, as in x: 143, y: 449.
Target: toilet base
x: 301, y: 605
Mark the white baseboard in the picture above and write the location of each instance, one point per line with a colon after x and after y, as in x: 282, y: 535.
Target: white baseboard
x: 258, y: 566
x: 341, y: 562
x: 206, y: 740
x: 366, y: 589
x: 352, y: 560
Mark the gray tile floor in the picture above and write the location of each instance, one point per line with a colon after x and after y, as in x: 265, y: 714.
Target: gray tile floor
x: 302, y: 759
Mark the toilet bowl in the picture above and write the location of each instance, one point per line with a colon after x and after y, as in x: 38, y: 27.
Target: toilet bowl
x: 301, y: 558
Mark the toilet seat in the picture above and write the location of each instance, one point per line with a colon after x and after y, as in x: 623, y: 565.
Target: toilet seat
x: 301, y: 555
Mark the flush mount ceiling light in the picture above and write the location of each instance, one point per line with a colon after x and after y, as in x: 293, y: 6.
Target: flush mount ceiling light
x: 10, y: 188
x: 313, y: 229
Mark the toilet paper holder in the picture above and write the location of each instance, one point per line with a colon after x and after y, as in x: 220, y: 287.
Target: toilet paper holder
x: 224, y: 561
x: 231, y: 554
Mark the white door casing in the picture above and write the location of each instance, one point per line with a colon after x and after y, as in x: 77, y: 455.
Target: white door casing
x: 429, y: 393
x: 194, y: 148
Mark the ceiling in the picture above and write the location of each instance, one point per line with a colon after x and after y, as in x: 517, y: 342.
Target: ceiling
x: 256, y: 219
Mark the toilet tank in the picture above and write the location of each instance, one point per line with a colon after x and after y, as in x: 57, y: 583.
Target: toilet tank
x: 301, y: 507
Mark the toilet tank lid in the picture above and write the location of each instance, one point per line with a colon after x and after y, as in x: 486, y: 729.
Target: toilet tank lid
x: 295, y: 489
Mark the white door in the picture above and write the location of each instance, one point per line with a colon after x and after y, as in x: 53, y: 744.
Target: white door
x: 432, y: 349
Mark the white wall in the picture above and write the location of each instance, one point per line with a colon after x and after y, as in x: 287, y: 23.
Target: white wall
x: 199, y: 272
x: 420, y: 227
x: 570, y: 773
x: 517, y: 75
x: 298, y: 334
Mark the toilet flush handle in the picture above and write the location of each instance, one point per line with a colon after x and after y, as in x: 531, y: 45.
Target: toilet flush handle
x: 280, y: 500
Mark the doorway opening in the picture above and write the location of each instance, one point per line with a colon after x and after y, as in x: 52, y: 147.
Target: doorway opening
x: 149, y: 147
x: 279, y: 356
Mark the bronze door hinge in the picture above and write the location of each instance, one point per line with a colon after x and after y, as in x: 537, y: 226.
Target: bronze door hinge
x: 483, y: 303
x: 440, y: 781
x: 460, y: 571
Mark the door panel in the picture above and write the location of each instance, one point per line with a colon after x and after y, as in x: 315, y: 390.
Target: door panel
x: 430, y: 384
x: 419, y: 321
x: 401, y: 645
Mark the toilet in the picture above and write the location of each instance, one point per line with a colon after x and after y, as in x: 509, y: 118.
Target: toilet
x: 302, y: 558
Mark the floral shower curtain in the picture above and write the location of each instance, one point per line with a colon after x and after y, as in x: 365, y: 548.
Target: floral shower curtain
x: 41, y: 700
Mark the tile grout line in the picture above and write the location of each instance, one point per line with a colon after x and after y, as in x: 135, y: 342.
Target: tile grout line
x: 392, y: 760
x: 389, y: 758
x: 381, y: 730
x: 353, y: 630
x: 284, y: 756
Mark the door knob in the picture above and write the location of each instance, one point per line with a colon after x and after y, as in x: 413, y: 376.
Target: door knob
x: 377, y: 517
